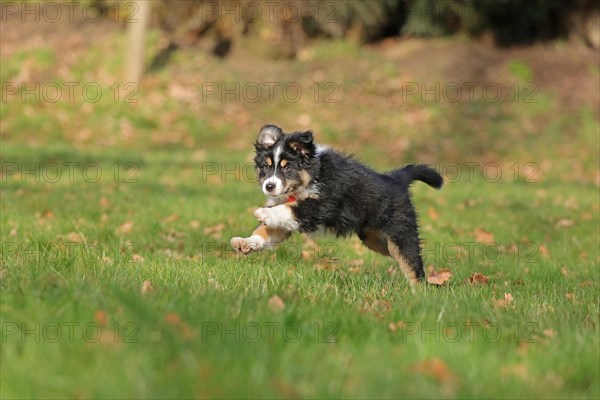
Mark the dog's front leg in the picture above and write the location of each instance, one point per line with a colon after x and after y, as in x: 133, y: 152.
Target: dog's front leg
x: 280, y: 217
x: 262, y: 237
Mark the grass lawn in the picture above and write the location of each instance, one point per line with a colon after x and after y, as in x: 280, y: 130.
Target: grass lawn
x: 117, y: 280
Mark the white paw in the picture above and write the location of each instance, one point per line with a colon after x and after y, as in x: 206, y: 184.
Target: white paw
x: 266, y: 216
x: 247, y: 245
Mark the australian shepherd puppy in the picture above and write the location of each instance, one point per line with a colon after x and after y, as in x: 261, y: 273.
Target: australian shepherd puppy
x: 313, y: 188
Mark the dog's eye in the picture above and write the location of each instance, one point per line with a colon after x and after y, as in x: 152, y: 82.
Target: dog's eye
x: 286, y: 169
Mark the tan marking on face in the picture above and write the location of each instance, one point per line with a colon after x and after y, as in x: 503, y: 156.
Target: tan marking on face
x: 406, y: 269
x: 269, y: 161
x: 304, y: 178
x: 283, y: 163
x: 375, y: 241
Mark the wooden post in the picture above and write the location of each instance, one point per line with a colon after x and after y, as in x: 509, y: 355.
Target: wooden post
x: 136, y: 32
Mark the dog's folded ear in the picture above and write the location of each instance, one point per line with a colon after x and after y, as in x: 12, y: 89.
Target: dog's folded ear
x: 302, y: 143
x: 268, y: 135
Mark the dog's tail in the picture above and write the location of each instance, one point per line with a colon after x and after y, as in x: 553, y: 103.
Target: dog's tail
x: 418, y: 172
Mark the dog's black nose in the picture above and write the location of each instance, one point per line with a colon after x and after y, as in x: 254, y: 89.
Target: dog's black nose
x: 270, y: 186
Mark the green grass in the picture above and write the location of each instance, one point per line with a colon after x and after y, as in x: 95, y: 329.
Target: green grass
x: 532, y: 348
x: 76, y: 251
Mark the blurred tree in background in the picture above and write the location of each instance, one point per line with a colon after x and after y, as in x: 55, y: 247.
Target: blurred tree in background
x: 289, y: 24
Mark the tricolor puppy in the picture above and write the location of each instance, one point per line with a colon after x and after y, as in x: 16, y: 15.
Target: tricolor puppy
x: 312, y: 188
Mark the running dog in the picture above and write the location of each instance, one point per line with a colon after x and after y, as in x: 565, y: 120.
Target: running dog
x: 312, y: 188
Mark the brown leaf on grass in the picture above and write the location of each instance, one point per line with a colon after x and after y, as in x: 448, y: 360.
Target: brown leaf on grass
x: 326, y: 264
x: 478, y: 279
x: 174, y: 320
x: 171, y: 218
x: 432, y: 213
x: 570, y: 296
x: 215, y: 232
x: 395, y: 326
x: 359, y: 248
x: 287, y: 390
x: 137, y: 258
x: 101, y: 318
x: 483, y: 236
x: 104, y: 203
x: 565, y: 223
x: 439, y: 277
x: 125, y: 228
x: 437, y: 369
x: 544, y: 250
x: 194, y: 224
x: 505, y: 301
x: 275, y: 303
x: 357, y: 263
x: 307, y: 255
x: 586, y: 216
x: 377, y: 308
x: 549, y: 332
x: 47, y: 214
x: 147, y: 287
x: 13, y: 232
x: 75, y: 237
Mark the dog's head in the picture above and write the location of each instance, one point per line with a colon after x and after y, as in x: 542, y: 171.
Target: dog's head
x: 285, y: 163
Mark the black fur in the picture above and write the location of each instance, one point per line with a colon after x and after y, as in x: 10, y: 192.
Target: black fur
x: 346, y: 197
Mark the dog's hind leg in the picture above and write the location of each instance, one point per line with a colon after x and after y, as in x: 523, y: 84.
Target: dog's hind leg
x: 262, y: 237
x: 407, y: 253
x: 375, y: 240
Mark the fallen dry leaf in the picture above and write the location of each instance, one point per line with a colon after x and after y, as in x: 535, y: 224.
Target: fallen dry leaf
x: 147, y: 287
x: 104, y: 203
x: 275, y: 303
x: 326, y: 264
x: 13, y: 232
x: 505, y: 301
x: 215, y: 231
x: 357, y: 263
x: 432, y: 213
x: 101, y: 318
x: 377, y: 308
x: 172, y: 319
x: 478, y: 278
x: 549, y: 332
x: 565, y: 223
x: 125, y: 228
x: 137, y: 258
x: 483, y: 236
x: 437, y: 369
x: 570, y: 296
x: 439, y: 277
x: 194, y: 224
x: 171, y: 218
x: 395, y: 326
x: 544, y: 250
x: 74, y: 237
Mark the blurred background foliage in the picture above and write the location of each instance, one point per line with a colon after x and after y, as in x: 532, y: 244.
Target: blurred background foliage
x: 291, y: 23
